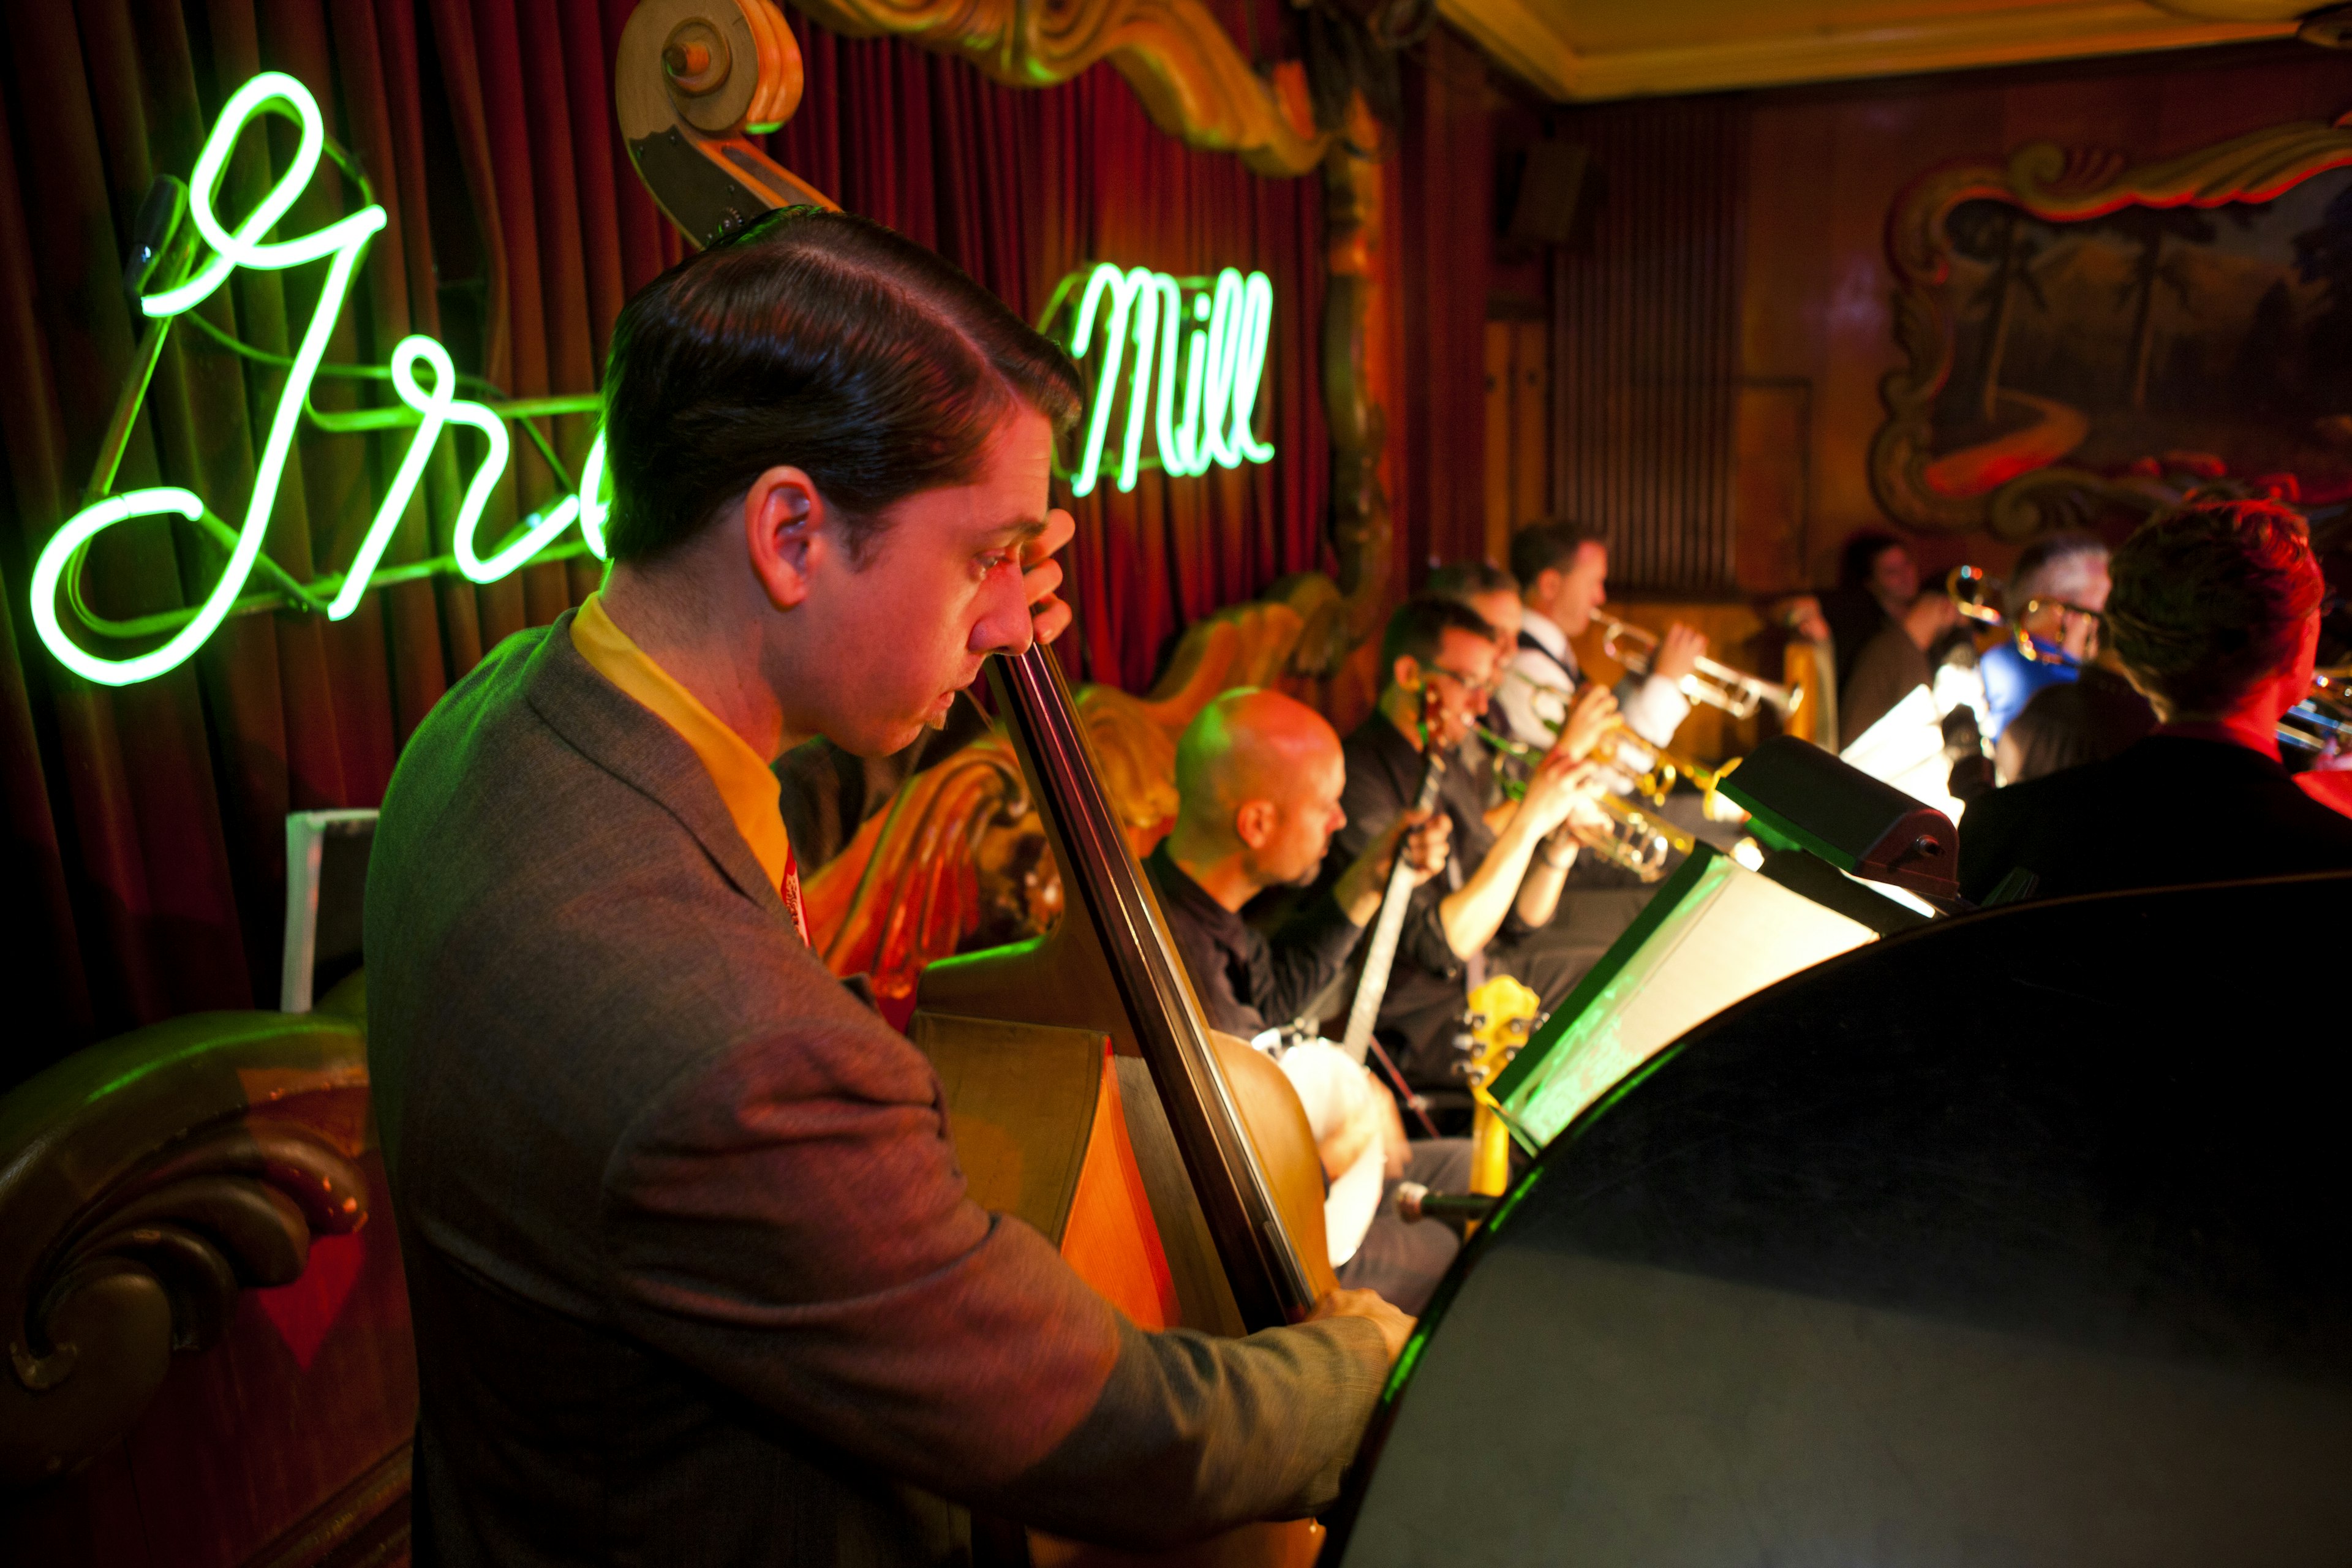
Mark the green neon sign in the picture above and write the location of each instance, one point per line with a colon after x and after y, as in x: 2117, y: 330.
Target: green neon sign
x: 431, y: 408
x: 1191, y: 353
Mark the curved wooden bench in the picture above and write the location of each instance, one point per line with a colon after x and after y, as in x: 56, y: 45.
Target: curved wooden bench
x: 208, y: 1351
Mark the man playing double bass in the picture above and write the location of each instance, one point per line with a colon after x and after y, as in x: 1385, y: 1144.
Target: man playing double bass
x: 693, y: 1272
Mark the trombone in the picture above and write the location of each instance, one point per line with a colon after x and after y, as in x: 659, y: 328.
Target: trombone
x: 1735, y: 692
x: 1634, y: 837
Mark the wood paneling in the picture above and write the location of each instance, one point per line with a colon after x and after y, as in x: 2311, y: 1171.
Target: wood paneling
x: 1518, y: 430
x: 1446, y: 226
x: 1530, y: 476
x: 1501, y: 517
x: 1645, y: 342
x: 1771, y: 425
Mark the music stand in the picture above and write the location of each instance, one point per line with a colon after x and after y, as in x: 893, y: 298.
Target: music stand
x: 1715, y: 933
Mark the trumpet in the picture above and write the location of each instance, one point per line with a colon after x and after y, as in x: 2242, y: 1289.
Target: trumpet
x: 1651, y: 768
x: 1971, y: 588
x: 1735, y: 692
x: 1630, y: 836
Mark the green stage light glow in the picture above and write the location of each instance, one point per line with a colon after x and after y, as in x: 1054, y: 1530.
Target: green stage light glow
x: 1207, y: 336
x: 432, y: 409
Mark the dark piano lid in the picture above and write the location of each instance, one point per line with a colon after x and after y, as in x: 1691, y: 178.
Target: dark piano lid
x: 2022, y: 1238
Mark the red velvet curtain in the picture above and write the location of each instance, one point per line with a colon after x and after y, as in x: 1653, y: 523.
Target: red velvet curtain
x: 143, y: 868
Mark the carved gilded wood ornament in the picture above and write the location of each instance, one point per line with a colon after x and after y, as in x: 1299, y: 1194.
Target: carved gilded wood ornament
x: 1193, y: 83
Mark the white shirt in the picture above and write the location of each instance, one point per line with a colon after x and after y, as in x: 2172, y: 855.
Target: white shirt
x: 1653, y: 705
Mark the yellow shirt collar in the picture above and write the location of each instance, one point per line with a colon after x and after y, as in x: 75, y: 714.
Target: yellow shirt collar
x: 745, y: 782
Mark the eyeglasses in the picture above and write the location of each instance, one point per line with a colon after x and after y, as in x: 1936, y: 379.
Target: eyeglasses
x: 1471, y: 688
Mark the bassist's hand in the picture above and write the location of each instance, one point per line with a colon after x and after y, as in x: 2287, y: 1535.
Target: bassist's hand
x: 1041, y: 574
x: 1394, y: 1326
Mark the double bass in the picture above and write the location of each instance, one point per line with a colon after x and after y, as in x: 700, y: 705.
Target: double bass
x: 1173, y: 1166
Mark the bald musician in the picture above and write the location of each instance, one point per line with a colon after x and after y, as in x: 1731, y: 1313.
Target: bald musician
x: 1258, y: 780
x: 693, y: 1272
x: 1259, y: 777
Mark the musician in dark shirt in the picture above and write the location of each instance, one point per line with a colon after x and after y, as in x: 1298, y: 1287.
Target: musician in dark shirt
x: 1258, y: 783
x: 1494, y: 594
x: 1505, y: 865
x: 1259, y: 779
x: 2214, y: 616
x: 2087, y: 718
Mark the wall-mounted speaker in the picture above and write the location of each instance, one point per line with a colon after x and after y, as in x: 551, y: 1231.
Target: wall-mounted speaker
x: 1550, y: 187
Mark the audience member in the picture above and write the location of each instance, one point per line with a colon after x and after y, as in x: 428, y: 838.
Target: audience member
x: 2214, y: 617
x: 1878, y: 581
x: 1893, y: 663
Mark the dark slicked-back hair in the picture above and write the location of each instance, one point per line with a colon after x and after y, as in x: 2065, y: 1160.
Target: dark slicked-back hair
x: 1417, y: 630
x: 1465, y: 580
x: 1549, y: 546
x: 820, y: 339
x: 2209, y: 599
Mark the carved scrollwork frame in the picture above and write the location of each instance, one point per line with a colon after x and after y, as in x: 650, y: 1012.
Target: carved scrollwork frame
x: 1193, y: 83
x: 143, y: 1183
x: 2059, y: 185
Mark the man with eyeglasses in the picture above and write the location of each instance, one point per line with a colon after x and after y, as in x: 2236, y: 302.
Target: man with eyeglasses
x: 1440, y: 663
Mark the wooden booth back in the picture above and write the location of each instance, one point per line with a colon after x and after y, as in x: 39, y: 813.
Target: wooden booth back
x: 209, y: 1360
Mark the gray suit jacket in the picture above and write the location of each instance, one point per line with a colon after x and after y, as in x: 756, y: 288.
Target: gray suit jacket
x: 694, y: 1276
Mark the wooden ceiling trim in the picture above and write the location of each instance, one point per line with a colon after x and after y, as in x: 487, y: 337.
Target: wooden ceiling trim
x: 1520, y: 37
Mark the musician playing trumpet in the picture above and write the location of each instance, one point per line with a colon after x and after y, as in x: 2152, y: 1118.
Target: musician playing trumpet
x: 1563, y: 572
x: 1488, y: 913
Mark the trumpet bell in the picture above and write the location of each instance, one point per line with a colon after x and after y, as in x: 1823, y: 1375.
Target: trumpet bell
x: 1630, y: 836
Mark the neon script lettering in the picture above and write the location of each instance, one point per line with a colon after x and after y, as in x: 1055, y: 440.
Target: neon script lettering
x: 1198, y: 358
x: 436, y: 406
